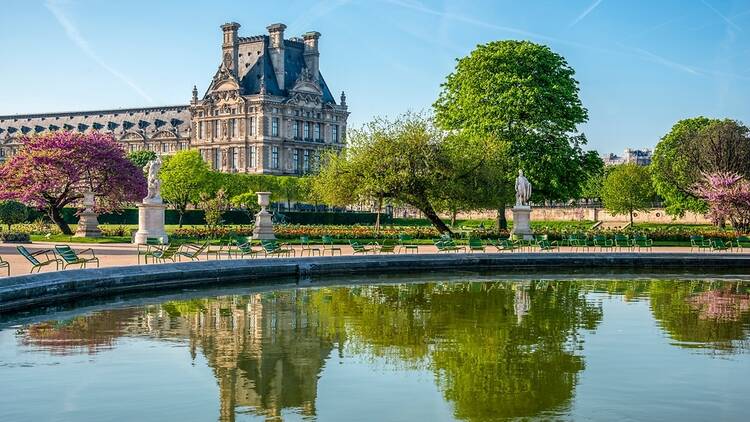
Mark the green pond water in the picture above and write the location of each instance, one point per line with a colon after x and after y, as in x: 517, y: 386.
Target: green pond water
x: 471, y: 350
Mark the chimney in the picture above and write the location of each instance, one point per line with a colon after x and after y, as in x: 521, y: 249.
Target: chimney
x: 229, y: 48
x: 276, y: 50
x: 312, y: 56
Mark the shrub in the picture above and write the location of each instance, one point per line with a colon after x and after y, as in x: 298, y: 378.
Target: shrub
x: 13, y: 212
x: 15, y: 237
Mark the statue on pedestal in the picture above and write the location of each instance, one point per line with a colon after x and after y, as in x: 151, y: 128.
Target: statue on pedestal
x: 154, y: 184
x: 151, y: 211
x: 523, y: 190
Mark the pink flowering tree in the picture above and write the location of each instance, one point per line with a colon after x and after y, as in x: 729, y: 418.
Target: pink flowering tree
x: 53, y: 171
x: 728, y: 198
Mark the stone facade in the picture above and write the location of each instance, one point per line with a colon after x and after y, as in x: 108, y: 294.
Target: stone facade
x: 267, y: 110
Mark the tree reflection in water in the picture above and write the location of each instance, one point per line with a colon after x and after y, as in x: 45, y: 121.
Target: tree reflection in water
x: 496, y: 349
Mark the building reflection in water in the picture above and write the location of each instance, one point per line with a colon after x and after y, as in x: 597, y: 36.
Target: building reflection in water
x: 496, y: 349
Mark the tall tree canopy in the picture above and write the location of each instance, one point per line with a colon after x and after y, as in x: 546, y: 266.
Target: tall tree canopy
x: 185, y: 176
x: 52, y: 171
x: 627, y: 189
x: 524, y: 94
x: 695, y: 147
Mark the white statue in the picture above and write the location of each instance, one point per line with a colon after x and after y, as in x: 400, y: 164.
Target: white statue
x: 154, y: 185
x: 523, y: 190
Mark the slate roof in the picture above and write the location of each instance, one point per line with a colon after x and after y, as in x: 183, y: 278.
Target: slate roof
x: 294, y: 62
x: 148, y: 121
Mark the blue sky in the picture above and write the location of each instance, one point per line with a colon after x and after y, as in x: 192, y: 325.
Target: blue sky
x: 642, y: 65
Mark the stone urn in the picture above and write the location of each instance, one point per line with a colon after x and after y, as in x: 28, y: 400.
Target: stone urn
x: 88, y: 223
x: 263, y: 220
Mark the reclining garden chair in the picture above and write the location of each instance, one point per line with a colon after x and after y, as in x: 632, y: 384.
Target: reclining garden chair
x: 36, y: 263
x: 71, y: 257
x: 169, y: 252
x: 718, y: 245
x: 643, y: 242
x: 622, y: 241
x: 360, y: 248
x: 307, y: 247
x: 742, y: 242
x: 546, y: 245
x: 475, y: 244
x: 503, y: 245
x: 329, y: 246
x: 5, y: 264
x: 601, y: 242
x: 699, y: 243
x: 152, y: 243
x: 448, y: 246
x: 273, y: 248
x: 243, y: 247
x: 192, y: 251
x: 387, y: 246
x: 404, y: 243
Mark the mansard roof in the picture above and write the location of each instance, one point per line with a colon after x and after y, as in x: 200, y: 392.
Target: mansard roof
x: 145, y: 120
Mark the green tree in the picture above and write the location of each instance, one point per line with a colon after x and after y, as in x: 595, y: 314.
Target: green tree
x: 184, y: 176
x: 524, y: 94
x: 627, y: 189
x: 399, y: 160
x: 692, y: 148
x: 214, y: 207
x: 13, y: 212
x: 141, y: 157
x: 247, y: 201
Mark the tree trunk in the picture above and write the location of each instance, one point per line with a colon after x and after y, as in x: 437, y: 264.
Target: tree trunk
x: 54, y: 214
x: 631, y: 219
x: 431, y: 215
x: 377, y: 217
x: 181, y: 212
x: 502, y: 222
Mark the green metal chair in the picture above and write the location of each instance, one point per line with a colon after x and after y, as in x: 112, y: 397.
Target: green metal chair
x: 71, y: 257
x: 448, y: 246
x: 504, y: 245
x: 578, y: 241
x: 388, y: 246
x: 718, y: 245
x: 622, y: 241
x: 36, y: 263
x: 475, y: 244
x: 742, y: 243
x: 328, y: 246
x: 274, y: 248
x: 244, y: 249
x: 643, y: 242
x: 169, y: 252
x: 404, y: 244
x: 192, y: 251
x: 699, y: 243
x: 545, y: 245
x: 359, y: 248
x: 601, y: 242
x: 152, y: 243
x: 307, y: 247
x: 5, y: 264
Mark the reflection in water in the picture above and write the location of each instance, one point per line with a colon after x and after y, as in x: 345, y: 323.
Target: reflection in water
x: 496, y: 349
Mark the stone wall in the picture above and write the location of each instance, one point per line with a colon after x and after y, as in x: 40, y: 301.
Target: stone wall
x: 657, y: 215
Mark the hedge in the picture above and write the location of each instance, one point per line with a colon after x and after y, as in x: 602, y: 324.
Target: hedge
x: 197, y: 217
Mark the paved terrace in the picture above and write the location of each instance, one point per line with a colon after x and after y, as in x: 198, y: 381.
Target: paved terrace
x: 125, y: 254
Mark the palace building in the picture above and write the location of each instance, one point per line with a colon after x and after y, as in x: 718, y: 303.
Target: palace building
x: 266, y: 110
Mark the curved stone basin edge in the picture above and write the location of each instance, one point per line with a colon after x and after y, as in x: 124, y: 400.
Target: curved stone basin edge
x: 27, y: 291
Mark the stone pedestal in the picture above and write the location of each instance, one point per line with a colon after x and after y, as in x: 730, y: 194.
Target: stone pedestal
x: 263, y: 220
x: 522, y: 222
x: 88, y: 223
x: 150, y: 223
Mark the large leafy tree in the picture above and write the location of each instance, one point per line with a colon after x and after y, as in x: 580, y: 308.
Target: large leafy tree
x: 53, y: 171
x: 627, y: 189
x: 185, y: 176
x: 523, y: 94
x: 695, y: 147
x: 141, y: 157
x: 400, y: 160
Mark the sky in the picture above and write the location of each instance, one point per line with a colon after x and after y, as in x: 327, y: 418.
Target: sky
x: 642, y: 65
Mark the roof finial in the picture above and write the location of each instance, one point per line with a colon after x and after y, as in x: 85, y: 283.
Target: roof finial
x: 343, y: 98
x: 195, y: 94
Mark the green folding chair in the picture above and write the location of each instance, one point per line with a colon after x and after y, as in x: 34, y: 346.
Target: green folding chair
x: 71, y: 257
x: 36, y: 263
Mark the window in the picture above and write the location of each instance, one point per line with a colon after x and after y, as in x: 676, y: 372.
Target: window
x: 235, y: 159
x: 295, y: 160
x: 275, y: 126
x: 201, y: 130
x: 317, y: 131
x: 307, y: 130
x: 217, y: 158
x: 275, y: 157
x: 306, y: 161
x: 335, y: 133
x: 164, y: 147
x: 215, y: 129
x: 251, y: 126
x: 295, y: 129
x: 232, y: 128
x: 251, y: 156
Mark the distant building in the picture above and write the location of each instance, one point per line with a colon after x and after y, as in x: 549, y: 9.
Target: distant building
x: 267, y: 110
x: 641, y: 157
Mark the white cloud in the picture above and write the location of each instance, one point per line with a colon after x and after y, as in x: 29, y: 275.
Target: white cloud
x: 585, y: 13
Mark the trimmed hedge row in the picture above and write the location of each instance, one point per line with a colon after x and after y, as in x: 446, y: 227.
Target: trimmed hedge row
x: 197, y: 217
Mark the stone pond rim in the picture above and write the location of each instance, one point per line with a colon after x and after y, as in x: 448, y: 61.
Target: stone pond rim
x: 33, y: 290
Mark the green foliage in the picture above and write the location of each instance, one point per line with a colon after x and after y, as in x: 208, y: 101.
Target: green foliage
x: 524, y: 94
x: 214, y: 207
x: 627, y: 189
x: 695, y: 147
x: 247, y: 201
x: 13, y: 212
x: 184, y: 177
x: 141, y: 157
